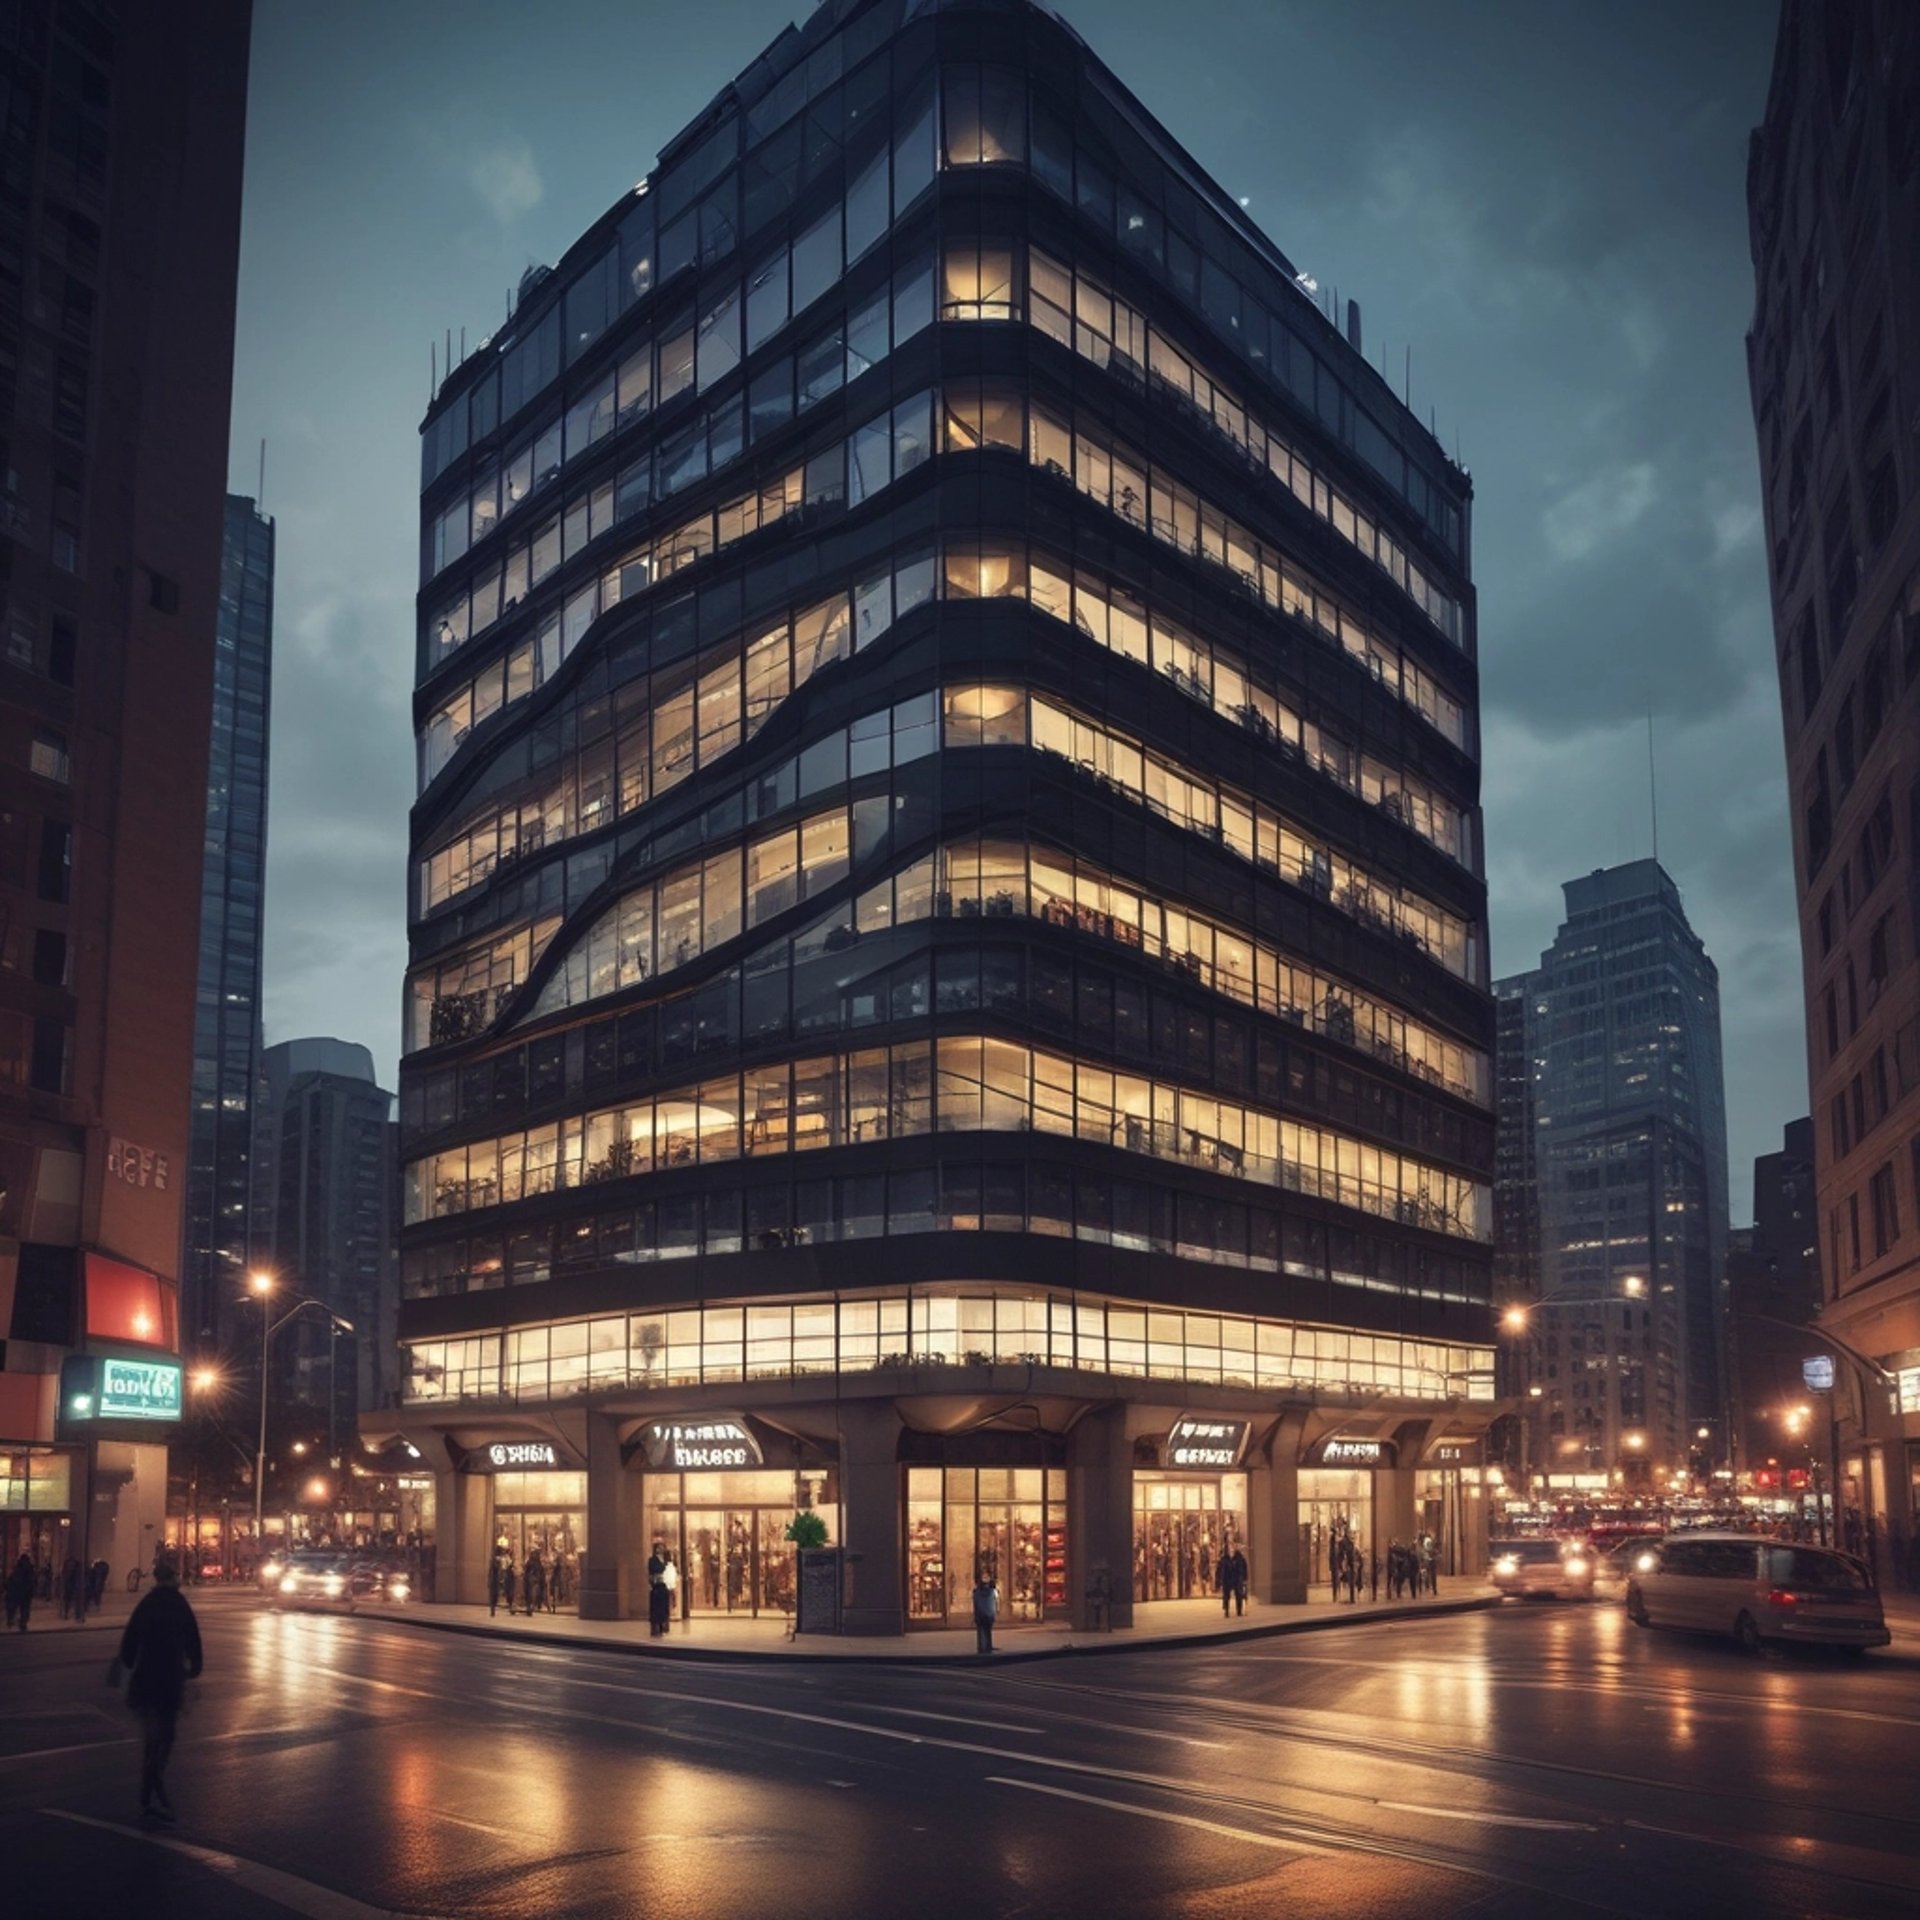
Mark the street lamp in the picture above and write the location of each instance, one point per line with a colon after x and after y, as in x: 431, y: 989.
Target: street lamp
x: 263, y: 1285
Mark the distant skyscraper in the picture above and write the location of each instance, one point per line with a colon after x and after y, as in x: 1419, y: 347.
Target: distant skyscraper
x: 1773, y: 1287
x: 1833, y: 198
x: 1619, y: 1033
x: 119, y: 247
x: 325, y: 1185
x: 226, y: 1034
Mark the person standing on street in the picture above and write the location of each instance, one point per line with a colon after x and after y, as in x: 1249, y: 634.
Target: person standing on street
x: 20, y: 1592
x: 73, y: 1601
x: 493, y: 1583
x: 160, y: 1650
x: 659, y: 1594
x: 535, y: 1583
x: 97, y: 1584
x: 1234, y: 1582
x: 986, y: 1609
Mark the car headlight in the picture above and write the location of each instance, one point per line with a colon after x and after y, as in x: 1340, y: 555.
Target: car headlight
x: 1506, y: 1564
x: 398, y: 1590
x: 290, y: 1583
x: 333, y: 1584
x: 1643, y: 1563
x: 1576, y: 1566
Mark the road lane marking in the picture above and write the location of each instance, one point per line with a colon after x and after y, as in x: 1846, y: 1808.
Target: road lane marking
x: 1493, y: 1819
x: 1285, y: 1844
x: 957, y: 1719
x: 84, y: 1746
x: 271, y: 1883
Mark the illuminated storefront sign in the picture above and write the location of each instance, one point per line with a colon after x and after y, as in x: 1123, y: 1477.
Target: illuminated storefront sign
x: 692, y: 1446
x: 103, y: 1387
x: 1195, y: 1440
x: 512, y: 1455
x: 1818, y: 1373
x: 1339, y: 1452
x: 1454, y: 1453
x: 1909, y: 1389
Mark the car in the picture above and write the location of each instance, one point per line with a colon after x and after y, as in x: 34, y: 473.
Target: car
x: 377, y: 1583
x: 1542, y: 1568
x: 1761, y: 1590
x: 321, y: 1580
x: 1613, y: 1568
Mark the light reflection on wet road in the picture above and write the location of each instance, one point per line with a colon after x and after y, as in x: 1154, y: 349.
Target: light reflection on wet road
x: 1529, y: 1761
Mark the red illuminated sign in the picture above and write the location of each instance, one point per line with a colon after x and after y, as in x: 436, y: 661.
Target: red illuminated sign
x: 129, y: 1303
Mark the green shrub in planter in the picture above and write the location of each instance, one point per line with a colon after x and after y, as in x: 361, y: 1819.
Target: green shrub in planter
x: 807, y: 1529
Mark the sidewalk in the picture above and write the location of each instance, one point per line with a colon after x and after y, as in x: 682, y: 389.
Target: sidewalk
x: 1164, y: 1623
x: 118, y: 1604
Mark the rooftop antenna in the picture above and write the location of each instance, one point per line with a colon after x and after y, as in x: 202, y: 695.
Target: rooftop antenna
x: 433, y: 368
x: 260, y: 501
x: 1653, y: 785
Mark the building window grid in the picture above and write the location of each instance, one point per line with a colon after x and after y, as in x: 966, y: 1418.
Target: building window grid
x: 956, y: 1084
x: 783, y: 1340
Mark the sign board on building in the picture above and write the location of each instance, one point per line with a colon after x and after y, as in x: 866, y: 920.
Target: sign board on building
x: 1197, y: 1440
x: 698, y: 1446
x: 514, y: 1456
x: 1818, y: 1373
x: 1454, y: 1453
x: 1338, y: 1451
x: 106, y: 1387
x: 1908, y: 1386
x: 137, y: 1166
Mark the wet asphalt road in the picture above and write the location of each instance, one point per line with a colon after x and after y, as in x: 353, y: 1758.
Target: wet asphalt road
x: 1530, y: 1761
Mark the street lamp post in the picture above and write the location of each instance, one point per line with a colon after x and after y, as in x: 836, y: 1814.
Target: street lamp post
x: 262, y: 1285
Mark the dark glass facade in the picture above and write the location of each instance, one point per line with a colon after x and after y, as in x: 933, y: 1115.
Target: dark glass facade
x: 226, y: 1033
x: 1833, y: 359
x: 948, y: 845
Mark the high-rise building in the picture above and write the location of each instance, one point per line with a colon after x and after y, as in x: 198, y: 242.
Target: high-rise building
x: 1833, y: 196
x: 324, y: 1223
x: 1773, y: 1294
x: 120, y: 161
x: 948, y: 939
x: 1618, y: 1209
x: 226, y: 1034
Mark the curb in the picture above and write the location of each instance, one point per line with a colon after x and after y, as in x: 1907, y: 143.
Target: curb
x: 1073, y: 1649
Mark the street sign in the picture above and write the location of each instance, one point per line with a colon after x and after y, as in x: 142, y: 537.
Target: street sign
x: 106, y: 1387
x: 1818, y: 1373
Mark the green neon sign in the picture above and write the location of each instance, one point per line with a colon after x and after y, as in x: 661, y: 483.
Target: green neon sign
x: 139, y: 1390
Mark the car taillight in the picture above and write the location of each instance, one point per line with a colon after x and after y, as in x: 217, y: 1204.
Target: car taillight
x: 1780, y: 1597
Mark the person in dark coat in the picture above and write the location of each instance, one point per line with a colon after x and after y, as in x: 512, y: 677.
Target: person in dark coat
x: 659, y: 1594
x: 160, y: 1650
x: 986, y: 1609
x: 534, y: 1583
x: 494, y: 1581
x: 1233, y: 1581
x: 20, y: 1583
x: 73, y: 1598
x: 97, y: 1584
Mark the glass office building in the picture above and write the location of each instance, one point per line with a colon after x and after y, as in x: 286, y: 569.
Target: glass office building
x: 948, y: 930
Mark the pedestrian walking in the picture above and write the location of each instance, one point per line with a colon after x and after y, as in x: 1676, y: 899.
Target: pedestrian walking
x: 495, y: 1582
x: 509, y: 1584
x: 986, y: 1610
x: 160, y: 1653
x: 73, y: 1599
x: 20, y: 1584
x: 535, y: 1583
x: 97, y: 1589
x: 1429, y: 1563
x: 1237, y: 1570
x: 659, y: 1594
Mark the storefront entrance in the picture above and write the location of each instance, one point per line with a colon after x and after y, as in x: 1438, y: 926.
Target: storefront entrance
x: 1008, y: 1523
x: 547, y: 1511
x: 727, y: 1533
x: 1333, y: 1503
x: 1182, y: 1525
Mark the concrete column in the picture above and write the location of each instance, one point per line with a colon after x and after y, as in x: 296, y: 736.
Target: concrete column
x: 872, y: 1523
x: 461, y: 1548
x: 1393, y: 1507
x: 1100, y: 1516
x: 613, y: 1517
x: 1276, y: 1571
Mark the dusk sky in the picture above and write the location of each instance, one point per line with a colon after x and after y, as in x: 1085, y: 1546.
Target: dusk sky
x: 1545, y: 200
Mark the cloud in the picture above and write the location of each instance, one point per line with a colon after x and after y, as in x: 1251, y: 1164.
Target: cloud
x: 1599, y: 510
x: 507, y: 180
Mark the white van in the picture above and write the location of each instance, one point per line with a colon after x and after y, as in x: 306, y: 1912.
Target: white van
x: 1757, y: 1589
